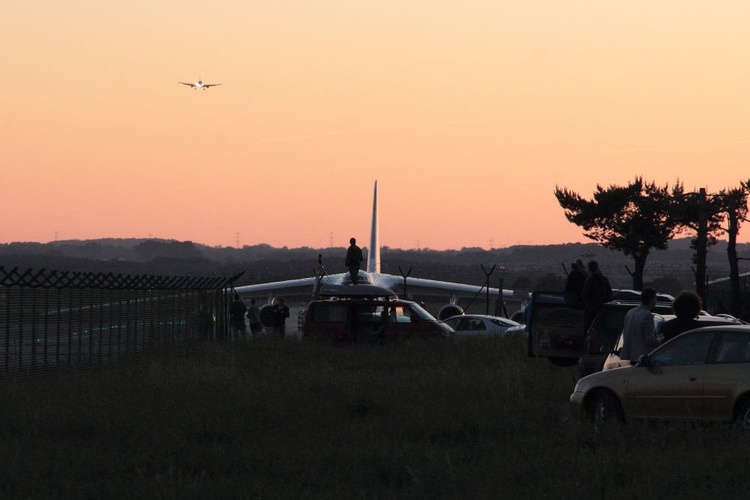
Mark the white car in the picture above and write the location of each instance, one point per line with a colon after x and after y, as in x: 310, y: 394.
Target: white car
x: 480, y: 325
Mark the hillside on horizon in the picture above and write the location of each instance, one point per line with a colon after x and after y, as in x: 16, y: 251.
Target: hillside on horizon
x: 129, y: 243
x: 522, y: 266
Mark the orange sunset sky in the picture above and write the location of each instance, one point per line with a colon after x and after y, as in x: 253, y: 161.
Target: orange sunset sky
x: 468, y: 114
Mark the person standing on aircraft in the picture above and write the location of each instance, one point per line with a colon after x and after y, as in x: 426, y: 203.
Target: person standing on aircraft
x: 280, y: 314
x: 354, y: 260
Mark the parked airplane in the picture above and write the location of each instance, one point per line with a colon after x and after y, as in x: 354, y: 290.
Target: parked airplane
x: 200, y: 85
x: 373, y: 277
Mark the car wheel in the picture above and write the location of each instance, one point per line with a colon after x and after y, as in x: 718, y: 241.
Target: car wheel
x: 606, y: 410
x: 743, y: 416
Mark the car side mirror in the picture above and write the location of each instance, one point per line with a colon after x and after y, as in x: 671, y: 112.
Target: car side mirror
x: 644, y: 360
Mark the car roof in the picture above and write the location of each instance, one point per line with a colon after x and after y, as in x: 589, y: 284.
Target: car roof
x: 618, y: 297
x: 356, y: 292
x: 478, y: 316
x: 729, y: 327
x: 334, y: 301
x: 628, y: 295
x: 719, y: 320
x: 629, y: 304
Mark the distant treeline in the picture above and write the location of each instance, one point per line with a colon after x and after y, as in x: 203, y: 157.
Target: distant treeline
x: 524, y: 266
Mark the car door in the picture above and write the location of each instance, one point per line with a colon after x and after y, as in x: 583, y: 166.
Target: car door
x: 327, y: 320
x: 671, y: 385
x: 402, y: 322
x: 499, y: 325
x: 368, y: 322
x: 477, y: 327
x: 728, y: 375
x: 556, y: 326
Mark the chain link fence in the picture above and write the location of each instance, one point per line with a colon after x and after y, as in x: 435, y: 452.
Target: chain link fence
x: 52, y: 320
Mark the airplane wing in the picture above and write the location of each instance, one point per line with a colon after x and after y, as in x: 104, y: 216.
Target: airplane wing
x: 188, y: 84
x: 211, y: 85
x: 458, y: 296
x: 418, y: 286
x: 428, y: 287
x: 301, y: 286
x: 460, y: 289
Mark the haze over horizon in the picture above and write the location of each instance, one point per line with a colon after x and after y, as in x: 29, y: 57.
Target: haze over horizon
x: 468, y: 115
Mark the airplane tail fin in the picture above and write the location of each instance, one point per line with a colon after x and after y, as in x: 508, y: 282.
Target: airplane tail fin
x: 373, y: 254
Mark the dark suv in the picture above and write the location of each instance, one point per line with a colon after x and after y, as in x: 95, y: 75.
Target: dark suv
x: 556, y: 328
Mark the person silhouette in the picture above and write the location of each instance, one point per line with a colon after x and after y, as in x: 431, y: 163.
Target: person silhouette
x: 596, y: 292
x: 354, y: 260
x: 237, y: 312
x: 280, y: 314
x: 576, y: 279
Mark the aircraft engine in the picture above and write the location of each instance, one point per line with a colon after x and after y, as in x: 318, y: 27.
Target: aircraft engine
x: 266, y: 315
x: 449, y: 310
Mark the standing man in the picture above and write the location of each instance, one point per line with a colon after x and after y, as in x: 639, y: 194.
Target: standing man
x: 354, y: 260
x: 638, y: 335
x: 280, y: 314
x: 253, y: 318
x: 576, y: 279
x: 237, y: 312
x: 596, y: 292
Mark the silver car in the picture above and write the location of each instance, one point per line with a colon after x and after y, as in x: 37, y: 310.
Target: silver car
x: 480, y: 325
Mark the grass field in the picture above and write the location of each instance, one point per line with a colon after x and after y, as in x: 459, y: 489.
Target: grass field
x: 273, y: 419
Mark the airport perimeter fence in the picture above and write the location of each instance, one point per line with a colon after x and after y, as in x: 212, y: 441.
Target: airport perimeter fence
x: 55, y: 320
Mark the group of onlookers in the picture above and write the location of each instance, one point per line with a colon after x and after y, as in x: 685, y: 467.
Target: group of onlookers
x: 639, y: 334
x: 591, y: 287
x: 238, y: 311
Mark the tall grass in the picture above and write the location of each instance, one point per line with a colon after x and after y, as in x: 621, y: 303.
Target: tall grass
x: 272, y: 419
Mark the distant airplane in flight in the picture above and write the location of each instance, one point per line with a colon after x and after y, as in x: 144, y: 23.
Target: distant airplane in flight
x: 372, y: 276
x: 200, y: 85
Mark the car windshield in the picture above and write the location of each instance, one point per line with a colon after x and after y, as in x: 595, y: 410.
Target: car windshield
x: 421, y: 312
x: 734, y: 348
x: 503, y: 322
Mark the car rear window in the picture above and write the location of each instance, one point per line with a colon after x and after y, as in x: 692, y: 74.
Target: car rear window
x: 329, y: 313
x: 734, y: 348
x: 557, y: 317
